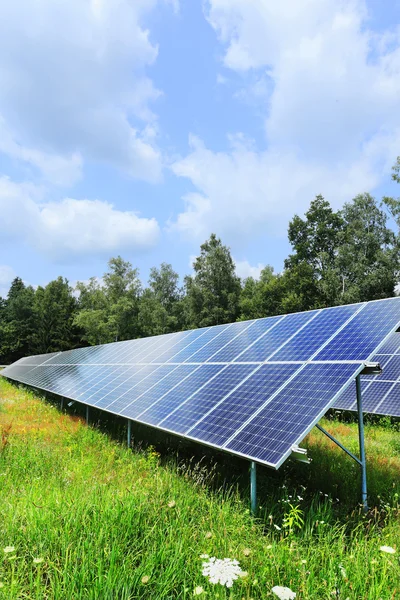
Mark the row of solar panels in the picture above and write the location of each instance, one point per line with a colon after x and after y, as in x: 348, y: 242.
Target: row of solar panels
x: 253, y: 408
x: 356, y: 328
x: 380, y: 393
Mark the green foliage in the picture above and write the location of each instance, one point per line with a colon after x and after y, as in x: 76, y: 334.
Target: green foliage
x: 213, y: 293
x: 161, y: 307
x: 108, y: 310
x: 367, y: 256
x: 55, y: 308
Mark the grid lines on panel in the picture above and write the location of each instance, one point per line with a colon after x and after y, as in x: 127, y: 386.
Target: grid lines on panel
x: 271, y: 433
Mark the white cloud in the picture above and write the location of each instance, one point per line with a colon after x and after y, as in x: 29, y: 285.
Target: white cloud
x: 245, y: 269
x: 56, y: 169
x: 73, y: 82
x: 71, y: 228
x: 7, y: 274
x: 328, y: 90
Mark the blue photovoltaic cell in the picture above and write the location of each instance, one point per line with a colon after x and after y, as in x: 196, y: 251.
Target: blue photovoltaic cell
x: 392, y: 345
x: 114, y: 381
x: 184, y: 344
x: 243, y: 341
x: 303, y: 345
x: 359, y: 339
x: 390, y: 405
x: 159, y: 411
x: 19, y: 372
x: 208, y: 351
x: 194, y: 408
x: 348, y: 397
x: 390, y: 366
x: 228, y: 416
x: 142, y: 380
x: 159, y: 389
x: 173, y: 345
x: 209, y: 334
x: 76, y: 378
x: 272, y: 340
x: 270, y: 435
x: 373, y: 394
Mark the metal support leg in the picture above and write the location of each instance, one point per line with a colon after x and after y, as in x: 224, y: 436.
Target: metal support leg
x: 62, y: 403
x: 87, y: 415
x: 362, y: 446
x: 129, y: 432
x: 253, y: 488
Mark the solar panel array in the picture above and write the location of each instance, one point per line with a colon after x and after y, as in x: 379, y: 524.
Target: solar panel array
x: 252, y: 388
x: 381, y: 393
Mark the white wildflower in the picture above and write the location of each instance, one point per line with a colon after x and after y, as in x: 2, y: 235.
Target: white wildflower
x: 8, y: 549
x: 277, y: 527
x: 37, y: 561
x: 284, y: 593
x: 198, y: 591
x: 387, y: 549
x: 299, y: 497
x: 223, y: 571
x: 204, y: 556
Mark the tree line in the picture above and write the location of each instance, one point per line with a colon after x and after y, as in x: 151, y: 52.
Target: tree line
x: 338, y: 257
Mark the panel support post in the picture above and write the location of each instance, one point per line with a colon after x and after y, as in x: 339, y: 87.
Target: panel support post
x: 253, y: 488
x: 362, y: 446
x: 87, y: 415
x: 62, y: 403
x: 129, y: 433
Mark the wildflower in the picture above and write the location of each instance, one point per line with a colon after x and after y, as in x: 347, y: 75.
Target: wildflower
x: 171, y: 504
x: 269, y: 547
x: 223, y: 571
x: 247, y: 551
x: 145, y: 579
x: 37, y: 561
x: 303, y: 562
x: 208, y: 535
x: 9, y: 549
x: 198, y: 591
x: 283, y: 593
x: 204, y: 556
x: 243, y: 574
x: 299, y: 497
x: 277, y: 527
x: 387, y: 549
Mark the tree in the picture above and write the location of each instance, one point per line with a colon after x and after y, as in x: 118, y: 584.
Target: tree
x: 367, y: 257
x: 308, y: 270
x: 263, y: 297
x: 213, y: 292
x: 18, y: 322
x: 55, y: 308
x: 108, y: 310
x: 160, y: 309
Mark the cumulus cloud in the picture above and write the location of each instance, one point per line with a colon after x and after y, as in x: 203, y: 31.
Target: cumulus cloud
x: 73, y: 82
x: 245, y: 269
x: 55, y: 169
x: 71, y: 228
x: 327, y: 88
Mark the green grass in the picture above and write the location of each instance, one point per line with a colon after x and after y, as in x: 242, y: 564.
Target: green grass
x: 103, y: 517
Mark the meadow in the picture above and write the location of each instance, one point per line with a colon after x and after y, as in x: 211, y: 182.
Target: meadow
x: 84, y: 517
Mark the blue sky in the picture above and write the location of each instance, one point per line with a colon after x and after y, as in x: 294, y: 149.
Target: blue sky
x: 139, y: 127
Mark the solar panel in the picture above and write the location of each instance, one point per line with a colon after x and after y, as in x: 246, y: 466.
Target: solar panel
x: 381, y: 395
x: 252, y: 388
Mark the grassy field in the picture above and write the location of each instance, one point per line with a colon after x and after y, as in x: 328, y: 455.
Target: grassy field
x: 83, y: 517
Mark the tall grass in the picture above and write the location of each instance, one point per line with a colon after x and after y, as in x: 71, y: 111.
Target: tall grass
x: 90, y: 519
